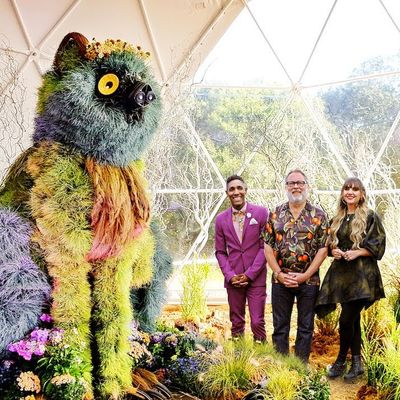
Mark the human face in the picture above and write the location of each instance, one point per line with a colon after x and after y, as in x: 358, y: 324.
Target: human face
x: 351, y: 195
x: 236, y: 192
x: 296, y: 188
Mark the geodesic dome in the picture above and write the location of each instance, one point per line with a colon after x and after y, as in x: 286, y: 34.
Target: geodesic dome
x: 252, y: 87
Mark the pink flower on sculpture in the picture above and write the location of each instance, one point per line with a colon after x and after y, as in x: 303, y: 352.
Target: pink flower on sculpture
x: 39, y: 349
x: 40, y: 335
x: 56, y: 336
x: 46, y: 318
x: 22, y: 348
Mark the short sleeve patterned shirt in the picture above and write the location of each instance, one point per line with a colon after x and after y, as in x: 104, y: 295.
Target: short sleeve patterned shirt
x: 295, y: 242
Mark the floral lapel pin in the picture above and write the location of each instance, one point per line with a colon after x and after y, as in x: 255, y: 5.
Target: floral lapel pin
x: 248, y: 215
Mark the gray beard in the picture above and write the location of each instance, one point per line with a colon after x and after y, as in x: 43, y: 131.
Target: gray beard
x: 301, y: 198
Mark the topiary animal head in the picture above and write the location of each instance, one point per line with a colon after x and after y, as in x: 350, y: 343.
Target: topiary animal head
x: 99, y: 98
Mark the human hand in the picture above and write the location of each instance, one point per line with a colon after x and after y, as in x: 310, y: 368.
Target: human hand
x: 350, y: 255
x: 337, y: 254
x: 240, y: 280
x: 288, y: 280
x: 243, y: 280
x: 235, y: 280
x: 299, y: 277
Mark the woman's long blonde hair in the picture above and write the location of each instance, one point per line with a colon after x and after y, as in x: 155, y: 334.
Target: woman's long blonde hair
x: 359, y: 223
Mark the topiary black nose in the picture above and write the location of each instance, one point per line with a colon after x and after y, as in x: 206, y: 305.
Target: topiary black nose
x: 141, y: 94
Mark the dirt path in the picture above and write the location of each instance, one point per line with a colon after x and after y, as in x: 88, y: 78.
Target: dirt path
x: 340, y: 389
x: 344, y: 391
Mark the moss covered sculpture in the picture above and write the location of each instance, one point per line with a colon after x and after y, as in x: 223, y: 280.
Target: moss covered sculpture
x: 74, y: 213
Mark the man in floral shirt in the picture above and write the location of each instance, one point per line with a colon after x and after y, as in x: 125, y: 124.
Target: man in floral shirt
x: 295, y: 237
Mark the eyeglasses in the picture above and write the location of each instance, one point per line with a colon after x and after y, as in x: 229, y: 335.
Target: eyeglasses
x: 294, y: 183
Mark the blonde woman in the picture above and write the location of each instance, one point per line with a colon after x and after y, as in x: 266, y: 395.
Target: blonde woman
x: 356, y: 242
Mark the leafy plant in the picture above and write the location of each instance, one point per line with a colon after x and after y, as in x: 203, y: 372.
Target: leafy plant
x: 194, y: 304
x: 44, y: 364
x: 382, y: 361
x: 166, y: 347
x: 378, y: 320
x: 395, y: 295
x: 327, y: 326
x: 314, y: 386
x: 282, y: 383
x: 184, y: 373
x: 232, y: 372
x: 66, y: 387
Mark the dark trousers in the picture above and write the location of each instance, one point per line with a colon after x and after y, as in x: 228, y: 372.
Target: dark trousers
x: 255, y: 297
x: 282, y: 306
x: 350, y: 327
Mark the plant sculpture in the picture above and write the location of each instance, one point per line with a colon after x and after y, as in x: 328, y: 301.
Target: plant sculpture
x: 75, y: 234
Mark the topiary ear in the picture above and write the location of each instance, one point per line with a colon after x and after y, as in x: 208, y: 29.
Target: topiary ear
x: 70, y: 52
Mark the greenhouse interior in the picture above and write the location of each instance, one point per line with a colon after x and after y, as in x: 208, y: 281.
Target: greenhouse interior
x: 143, y: 142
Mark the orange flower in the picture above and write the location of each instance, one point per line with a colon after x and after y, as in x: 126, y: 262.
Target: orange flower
x: 316, y: 221
x: 309, y: 235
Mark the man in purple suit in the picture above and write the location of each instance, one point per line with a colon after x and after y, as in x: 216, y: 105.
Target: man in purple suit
x: 239, y: 250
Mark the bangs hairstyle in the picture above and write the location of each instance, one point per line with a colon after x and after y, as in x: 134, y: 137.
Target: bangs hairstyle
x: 353, y: 183
x: 359, y: 222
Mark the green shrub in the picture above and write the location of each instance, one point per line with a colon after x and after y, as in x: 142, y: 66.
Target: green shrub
x: 382, y: 362
x: 378, y: 320
x: 395, y: 294
x: 327, y: 326
x: 234, y: 370
x: 194, y: 277
x: 282, y: 382
x: 314, y: 386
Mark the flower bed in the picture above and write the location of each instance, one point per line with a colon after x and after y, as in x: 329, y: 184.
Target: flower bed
x: 44, y: 366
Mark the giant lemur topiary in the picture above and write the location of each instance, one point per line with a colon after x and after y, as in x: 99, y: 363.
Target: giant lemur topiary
x: 74, y: 211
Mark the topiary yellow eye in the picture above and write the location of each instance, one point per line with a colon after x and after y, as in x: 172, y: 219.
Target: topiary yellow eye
x: 108, y: 84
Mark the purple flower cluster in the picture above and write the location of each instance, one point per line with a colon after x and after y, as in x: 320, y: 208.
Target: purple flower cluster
x: 157, y: 337
x: 166, y: 338
x: 35, y: 343
x: 183, y: 374
x: 186, y: 366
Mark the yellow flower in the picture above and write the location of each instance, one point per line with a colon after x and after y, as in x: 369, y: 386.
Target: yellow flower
x: 97, y: 49
x: 62, y: 380
x: 136, y: 350
x: 145, y: 337
x: 29, y: 382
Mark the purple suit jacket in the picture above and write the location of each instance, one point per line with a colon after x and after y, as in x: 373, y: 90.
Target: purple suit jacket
x: 247, y: 257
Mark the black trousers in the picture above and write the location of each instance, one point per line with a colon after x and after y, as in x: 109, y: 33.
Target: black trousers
x: 282, y: 306
x: 350, y: 327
